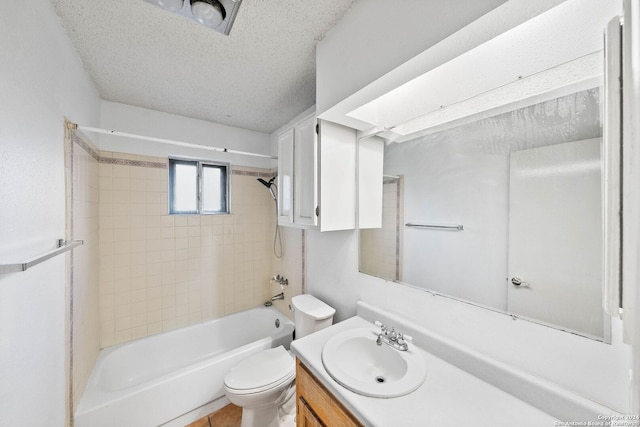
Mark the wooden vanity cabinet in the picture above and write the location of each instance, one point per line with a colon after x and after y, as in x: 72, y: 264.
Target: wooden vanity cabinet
x: 315, y: 405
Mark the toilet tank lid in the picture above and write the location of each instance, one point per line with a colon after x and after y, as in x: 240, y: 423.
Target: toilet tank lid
x: 312, y: 306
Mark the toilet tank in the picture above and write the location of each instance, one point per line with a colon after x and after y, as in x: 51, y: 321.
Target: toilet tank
x: 311, y: 314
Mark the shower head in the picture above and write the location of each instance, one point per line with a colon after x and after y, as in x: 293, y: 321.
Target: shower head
x: 269, y: 184
x: 265, y: 183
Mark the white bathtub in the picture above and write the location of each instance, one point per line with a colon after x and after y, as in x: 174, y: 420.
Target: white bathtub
x: 153, y: 380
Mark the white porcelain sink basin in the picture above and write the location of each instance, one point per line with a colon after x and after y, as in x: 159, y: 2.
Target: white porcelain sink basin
x: 356, y: 362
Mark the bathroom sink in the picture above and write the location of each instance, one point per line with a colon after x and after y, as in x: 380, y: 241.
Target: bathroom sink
x: 356, y: 362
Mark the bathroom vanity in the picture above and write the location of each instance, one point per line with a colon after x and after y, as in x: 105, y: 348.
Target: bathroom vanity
x: 449, y: 395
x: 315, y: 405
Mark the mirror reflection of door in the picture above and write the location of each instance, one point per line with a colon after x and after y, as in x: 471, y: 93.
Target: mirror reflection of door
x: 381, y: 248
x: 555, y: 237
x: 526, y: 185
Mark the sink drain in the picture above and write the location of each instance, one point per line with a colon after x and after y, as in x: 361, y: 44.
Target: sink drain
x: 380, y: 380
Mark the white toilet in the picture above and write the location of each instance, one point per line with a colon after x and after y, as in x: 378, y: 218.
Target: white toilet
x: 263, y: 384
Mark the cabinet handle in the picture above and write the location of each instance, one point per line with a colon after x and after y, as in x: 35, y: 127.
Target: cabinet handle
x: 318, y: 211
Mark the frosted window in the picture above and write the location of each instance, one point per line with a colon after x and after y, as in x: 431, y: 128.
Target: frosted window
x: 184, y: 187
x: 213, y: 189
x: 197, y: 188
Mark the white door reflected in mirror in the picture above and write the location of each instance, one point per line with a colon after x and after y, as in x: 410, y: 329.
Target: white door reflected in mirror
x: 526, y: 184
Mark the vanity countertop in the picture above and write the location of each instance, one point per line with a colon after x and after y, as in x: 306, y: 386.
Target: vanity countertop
x: 449, y: 396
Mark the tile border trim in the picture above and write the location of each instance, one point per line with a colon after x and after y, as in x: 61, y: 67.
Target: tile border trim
x: 163, y: 165
x: 87, y: 146
x: 128, y: 162
x: 259, y: 174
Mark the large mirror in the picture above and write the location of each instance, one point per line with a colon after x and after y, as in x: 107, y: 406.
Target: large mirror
x: 504, y: 212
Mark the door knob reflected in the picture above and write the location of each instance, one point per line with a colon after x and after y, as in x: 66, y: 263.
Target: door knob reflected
x: 518, y: 282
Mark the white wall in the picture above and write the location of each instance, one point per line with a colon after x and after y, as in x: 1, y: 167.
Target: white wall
x: 42, y: 81
x: 290, y: 265
x: 455, y: 180
x: 365, y: 44
x: 332, y: 270
x: 127, y: 118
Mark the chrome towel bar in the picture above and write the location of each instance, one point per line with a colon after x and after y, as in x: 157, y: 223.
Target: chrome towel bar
x: 63, y: 246
x: 458, y: 227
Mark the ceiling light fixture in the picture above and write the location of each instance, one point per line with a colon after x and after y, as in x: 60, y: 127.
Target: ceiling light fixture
x: 208, y: 12
x: 171, y: 5
x: 215, y: 14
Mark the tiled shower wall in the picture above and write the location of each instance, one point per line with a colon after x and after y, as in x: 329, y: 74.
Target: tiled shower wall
x: 82, y: 174
x: 159, y: 272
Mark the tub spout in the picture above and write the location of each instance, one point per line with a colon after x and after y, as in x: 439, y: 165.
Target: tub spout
x: 277, y: 297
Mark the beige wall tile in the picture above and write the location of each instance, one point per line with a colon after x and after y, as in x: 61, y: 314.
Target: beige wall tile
x: 107, y: 333
x: 123, y: 336
x: 160, y: 271
x: 85, y: 275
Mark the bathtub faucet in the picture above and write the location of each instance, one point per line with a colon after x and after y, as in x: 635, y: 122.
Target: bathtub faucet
x: 277, y: 297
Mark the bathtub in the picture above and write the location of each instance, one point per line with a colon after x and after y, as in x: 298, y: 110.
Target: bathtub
x: 153, y: 380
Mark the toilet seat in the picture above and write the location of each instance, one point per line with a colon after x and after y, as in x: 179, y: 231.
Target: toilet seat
x: 261, y: 371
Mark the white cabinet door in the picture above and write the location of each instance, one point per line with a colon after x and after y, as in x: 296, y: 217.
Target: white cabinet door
x: 370, y: 171
x: 304, y: 177
x: 285, y: 177
x: 317, y: 172
x: 336, y: 177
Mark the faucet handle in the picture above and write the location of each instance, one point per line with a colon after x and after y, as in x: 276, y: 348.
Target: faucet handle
x: 381, y: 325
x: 405, y: 338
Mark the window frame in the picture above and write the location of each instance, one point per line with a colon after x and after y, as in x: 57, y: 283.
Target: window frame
x: 225, y: 185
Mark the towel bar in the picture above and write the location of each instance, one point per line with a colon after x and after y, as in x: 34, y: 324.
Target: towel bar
x: 458, y: 227
x: 63, y: 246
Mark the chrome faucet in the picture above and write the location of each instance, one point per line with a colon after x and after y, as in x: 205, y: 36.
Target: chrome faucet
x: 277, y: 297
x: 392, y: 338
x: 280, y: 280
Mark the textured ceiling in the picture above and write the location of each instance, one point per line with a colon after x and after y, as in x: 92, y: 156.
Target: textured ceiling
x: 258, y: 77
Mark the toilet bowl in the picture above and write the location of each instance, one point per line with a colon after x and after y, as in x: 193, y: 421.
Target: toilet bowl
x: 260, y: 384
x: 263, y: 384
